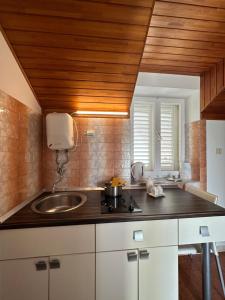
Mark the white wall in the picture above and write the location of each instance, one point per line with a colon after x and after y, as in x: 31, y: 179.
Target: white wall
x: 215, y: 139
x: 193, y: 107
x: 12, y: 81
x: 168, y: 80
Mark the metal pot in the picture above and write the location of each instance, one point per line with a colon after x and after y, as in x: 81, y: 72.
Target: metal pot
x: 113, y: 191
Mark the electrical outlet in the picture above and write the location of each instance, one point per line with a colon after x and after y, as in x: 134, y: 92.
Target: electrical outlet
x: 218, y: 151
x: 90, y: 133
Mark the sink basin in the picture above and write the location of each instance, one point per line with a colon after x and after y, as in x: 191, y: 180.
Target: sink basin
x: 58, y: 203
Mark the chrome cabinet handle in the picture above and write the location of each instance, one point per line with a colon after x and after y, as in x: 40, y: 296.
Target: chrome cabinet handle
x: 132, y: 256
x: 54, y: 264
x: 204, y: 231
x: 138, y: 236
x: 41, y: 265
x: 144, y: 254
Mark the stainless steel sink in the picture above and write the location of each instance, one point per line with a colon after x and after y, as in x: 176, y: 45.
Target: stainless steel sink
x: 58, y: 203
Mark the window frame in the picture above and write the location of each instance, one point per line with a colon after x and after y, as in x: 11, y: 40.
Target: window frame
x: 147, y: 168
x: 156, y: 171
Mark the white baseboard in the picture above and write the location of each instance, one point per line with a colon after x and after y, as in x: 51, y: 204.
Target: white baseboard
x: 19, y: 206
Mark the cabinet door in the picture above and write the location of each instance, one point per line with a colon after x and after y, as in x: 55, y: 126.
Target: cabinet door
x: 117, y: 275
x: 158, y: 273
x: 72, y: 277
x: 24, y: 279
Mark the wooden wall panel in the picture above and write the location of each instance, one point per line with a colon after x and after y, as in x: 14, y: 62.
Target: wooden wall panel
x: 202, y: 92
x: 79, y: 54
x: 220, y: 77
x: 213, y: 107
x: 213, y: 83
x: 207, y: 85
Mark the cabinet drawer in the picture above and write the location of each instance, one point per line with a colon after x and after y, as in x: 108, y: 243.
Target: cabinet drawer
x: 194, y: 230
x: 131, y: 235
x: 34, y: 242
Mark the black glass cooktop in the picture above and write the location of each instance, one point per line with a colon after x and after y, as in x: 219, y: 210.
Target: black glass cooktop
x: 121, y: 204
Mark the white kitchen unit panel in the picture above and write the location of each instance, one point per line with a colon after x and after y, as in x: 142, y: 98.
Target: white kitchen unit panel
x: 117, y: 275
x: 46, y: 241
x: 158, y: 273
x: 20, y: 279
x: 72, y: 277
x: 131, y: 235
x: 201, y: 230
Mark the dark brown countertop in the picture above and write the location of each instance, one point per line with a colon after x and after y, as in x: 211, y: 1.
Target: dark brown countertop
x: 176, y: 204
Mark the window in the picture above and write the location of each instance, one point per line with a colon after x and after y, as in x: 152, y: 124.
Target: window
x: 156, y: 133
x: 143, y: 126
x: 169, y: 135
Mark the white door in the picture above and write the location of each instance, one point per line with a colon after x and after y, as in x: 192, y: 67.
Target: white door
x: 24, y: 279
x: 158, y: 273
x: 72, y: 277
x: 117, y: 275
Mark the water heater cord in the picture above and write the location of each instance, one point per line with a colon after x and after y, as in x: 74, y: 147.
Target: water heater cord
x: 77, y: 135
x: 60, y: 167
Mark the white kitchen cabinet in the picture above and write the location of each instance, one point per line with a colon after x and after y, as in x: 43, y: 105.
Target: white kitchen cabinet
x: 20, y: 279
x: 158, y: 273
x: 117, y: 275
x: 151, y: 273
x: 121, y: 235
x: 72, y: 277
x: 190, y: 230
x: 66, y: 257
x: 48, y: 278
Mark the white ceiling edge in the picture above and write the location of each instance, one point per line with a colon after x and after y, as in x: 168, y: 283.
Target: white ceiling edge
x: 12, y: 80
x: 166, y: 92
x: 168, y: 80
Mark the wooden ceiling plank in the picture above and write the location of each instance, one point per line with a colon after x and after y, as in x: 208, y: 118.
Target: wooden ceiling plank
x: 81, y: 76
x: 176, y: 57
x: 159, y: 62
x: 142, y: 3
x: 188, y: 24
x: 186, y: 51
x: 186, y: 35
x: 86, y: 106
x: 79, y: 55
x: 50, y: 91
x: 170, y: 70
x: 36, y: 82
x: 79, y: 66
x: 189, y: 11
x: 41, y: 39
x: 71, y: 26
x: 84, y: 99
x: 80, y: 10
x: 207, y: 3
x: 182, y: 43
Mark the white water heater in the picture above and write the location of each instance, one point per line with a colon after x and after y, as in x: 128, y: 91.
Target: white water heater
x: 59, y: 130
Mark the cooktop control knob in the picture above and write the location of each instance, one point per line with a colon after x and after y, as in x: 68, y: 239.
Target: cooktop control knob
x: 131, y: 207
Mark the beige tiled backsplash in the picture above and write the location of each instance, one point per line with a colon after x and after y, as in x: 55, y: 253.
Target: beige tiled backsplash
x: 97, y: 158
x: 20, y: 153
x: 27, y: 165
x: 196, y: 150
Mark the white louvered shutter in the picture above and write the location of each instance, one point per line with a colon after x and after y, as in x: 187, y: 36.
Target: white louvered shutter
x: 169, y: 137
x: 143, y: 132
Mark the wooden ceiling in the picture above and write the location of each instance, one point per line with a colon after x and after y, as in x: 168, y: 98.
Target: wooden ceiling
x: 185, y: 37
x: 86, y: 55
x: 79, y: 54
